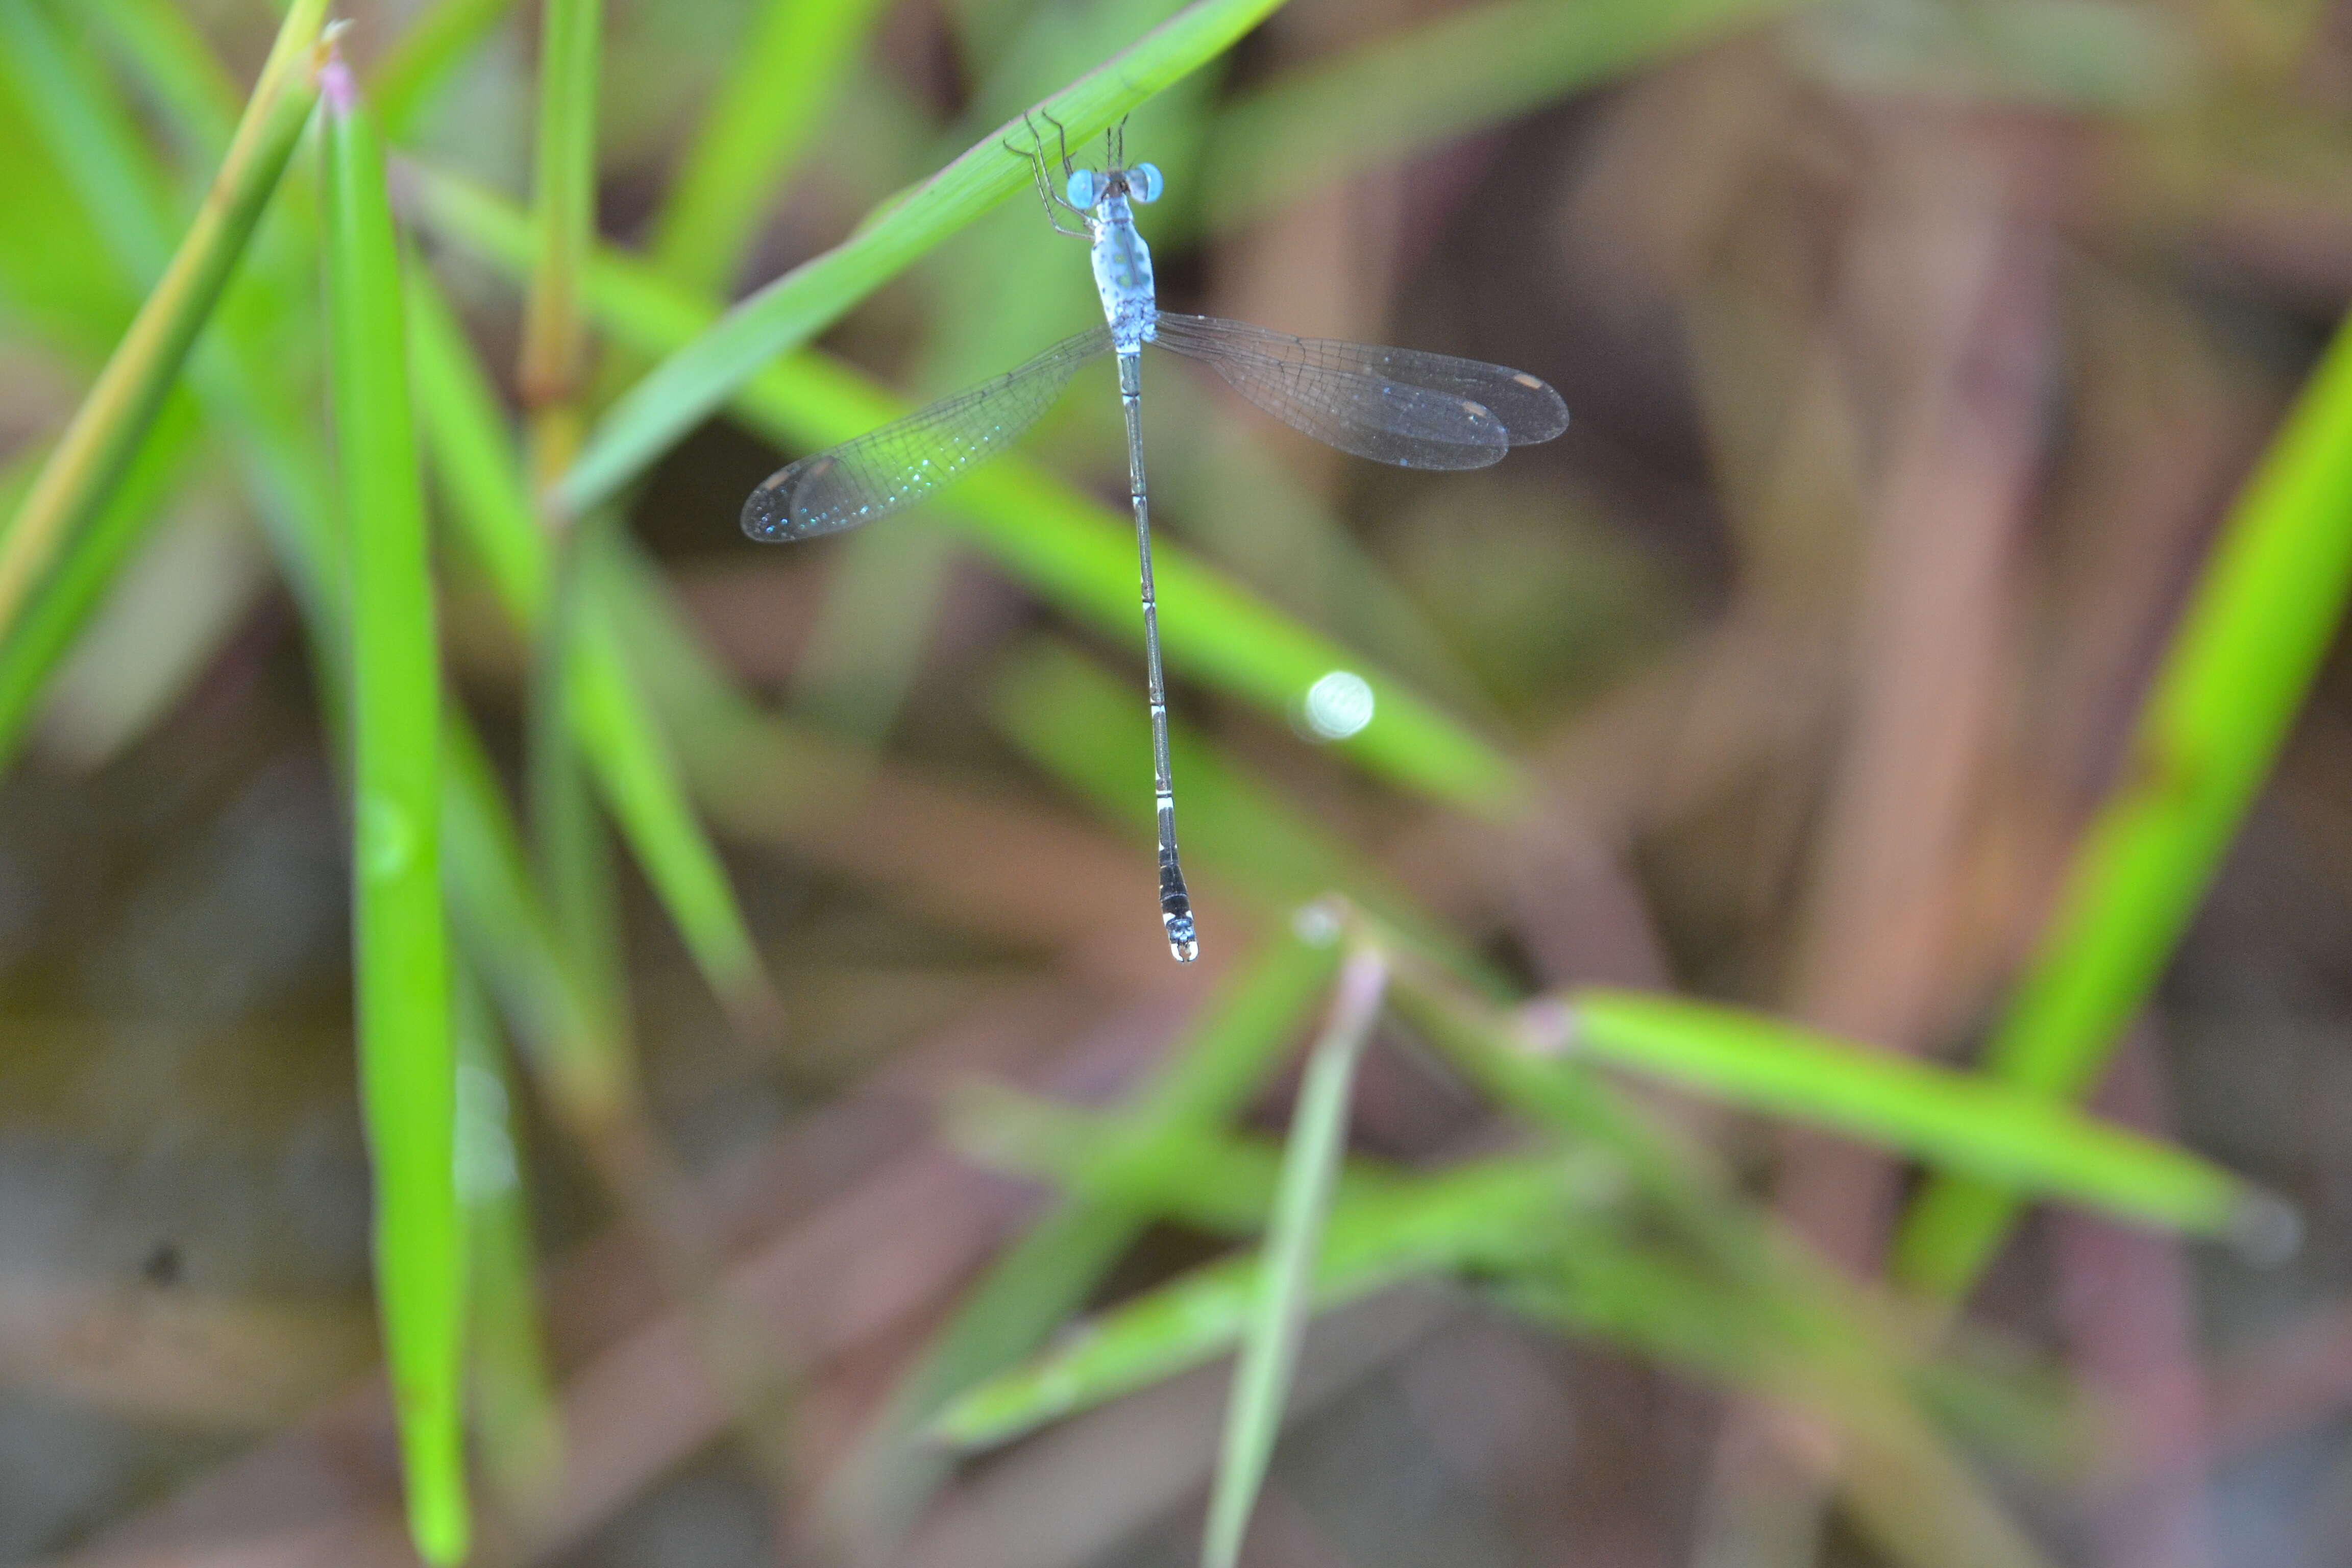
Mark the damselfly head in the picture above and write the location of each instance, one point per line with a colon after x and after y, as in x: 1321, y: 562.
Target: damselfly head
x: 1139, y: 185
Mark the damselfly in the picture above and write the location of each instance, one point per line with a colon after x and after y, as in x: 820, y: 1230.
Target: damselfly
x: 1393, y: 406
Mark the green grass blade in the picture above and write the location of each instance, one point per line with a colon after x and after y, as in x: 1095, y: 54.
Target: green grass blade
x: 510, y: 935
x: 763, y: 116
x: 1465, y: 70
x: 697, y: 381
x: 250, y: 367
x: 57, y: 283
x: 1210, y: 1074
x: 641, y: 783
x: 1293, y: 1241
x: 1061, y: 541
x: 1196, y: 1175
x: 199, y: 97
x: 90, y: 459
x: 1954, y: 1119
x: 407, y: 75
x: 406, y: 1054
x: 1211, y: 1071
x: 1543, y: 1237
x: 564, y: 215
x: 74, y: 590
x: 250, y: 371
x: 104, y: 156
x: 514, y: 1402
x: 611, y: 721
x: 2246, y: 652
x: 1477, y: 1217
x: 472, y: 453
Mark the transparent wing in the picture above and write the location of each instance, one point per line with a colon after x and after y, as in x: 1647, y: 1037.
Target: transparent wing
x: 1393, y: 406
x: 907, y: 459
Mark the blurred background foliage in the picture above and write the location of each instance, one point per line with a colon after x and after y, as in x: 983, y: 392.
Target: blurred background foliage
x: 1901, y: 708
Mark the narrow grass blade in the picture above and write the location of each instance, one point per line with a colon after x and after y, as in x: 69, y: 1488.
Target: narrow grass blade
x: 105, y: 157
x: 407, y: 75
x: 2246, y: 654
x: 250, y: 367
x: 58, y: 282
x: 1552, y: 1239
x: 1485, y: 1216
x: 509, y: 935
x: 406, y: 1055
x: 611, y: 721
x: 564, y: 215
x: 763, y: 116
x: 1210, y: 1072
x: 89, y: 461
x: 1464, y: 71
x: 250, y: 372
x: 76, y: 587
x: 1199, y: 1176
x: 1062, y: 542
x: 1294, y: 1240
x: 612, y: 724
x: 1956, y: 1121
x: 697, y: 381
x: 514, y: 1401
x: 199, y: 97
x: 472, y: 452
x: 571, y: 851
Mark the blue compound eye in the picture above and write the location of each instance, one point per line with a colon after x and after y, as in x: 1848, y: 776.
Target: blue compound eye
x: 1143, y: 182
x: 1082, y: 187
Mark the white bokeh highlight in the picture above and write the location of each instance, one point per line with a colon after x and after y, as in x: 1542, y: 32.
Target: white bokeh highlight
x: 1338, y: 706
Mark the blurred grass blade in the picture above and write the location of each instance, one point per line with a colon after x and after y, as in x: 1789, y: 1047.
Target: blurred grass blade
x: 2247, y: 649
x: 93, y: 139
x: 199, y: 97
x: 74, y: 591
x: 1293, y: 1241
x: 1954, y: 1119
x: 514, y: 1401
x: 90, y: 459
x: 406, y: 1055
x: 472, y: 452
x: 697, y: 381
x: 1210, y: 1073
x: 612, y: 724
x: 407, y: 74
x: 1481, y: 1217
x: 1402, y: 94
x: 563, y: 215
x: 1062, y: 542
x: 510, y: 935
x: 763, y: 116
x: 639, y: 779
x: 250, y: 372
x: 1554, y: 1240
